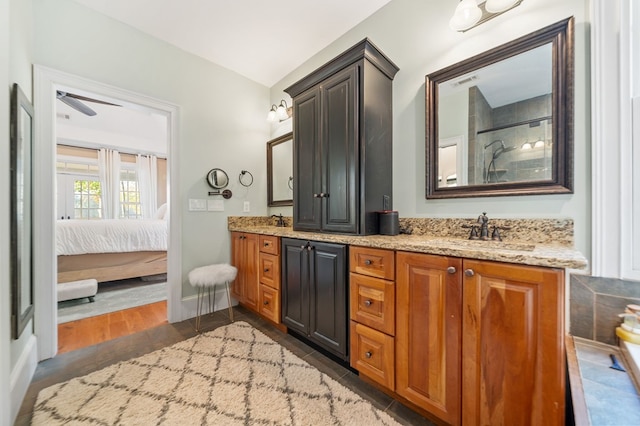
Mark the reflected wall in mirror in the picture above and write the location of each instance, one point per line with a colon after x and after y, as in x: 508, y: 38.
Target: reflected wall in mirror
x: 280, y: 171
x: 501, y: 123
x: 21, y: 208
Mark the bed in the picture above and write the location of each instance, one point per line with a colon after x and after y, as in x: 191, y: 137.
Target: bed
x: 110, y: 249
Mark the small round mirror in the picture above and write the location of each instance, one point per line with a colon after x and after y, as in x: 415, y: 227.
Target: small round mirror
x: 217, y: 178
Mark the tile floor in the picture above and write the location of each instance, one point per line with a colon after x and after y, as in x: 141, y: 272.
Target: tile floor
x: 78, y: 363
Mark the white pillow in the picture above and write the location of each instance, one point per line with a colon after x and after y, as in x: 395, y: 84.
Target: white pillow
x: 162, y: 212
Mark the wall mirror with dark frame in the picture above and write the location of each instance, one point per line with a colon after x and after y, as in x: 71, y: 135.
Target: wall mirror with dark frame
x: 501, y: 123
x: 21, y: 135
x: 280, y: 171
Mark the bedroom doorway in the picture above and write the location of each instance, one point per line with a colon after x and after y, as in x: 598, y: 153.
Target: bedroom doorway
x: 76, y: 139
x: 110, y: 171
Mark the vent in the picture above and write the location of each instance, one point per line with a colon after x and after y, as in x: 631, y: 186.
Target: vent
x: 464, y: 80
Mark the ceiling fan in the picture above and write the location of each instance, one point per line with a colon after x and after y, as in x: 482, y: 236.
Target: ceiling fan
x: 74, y: 101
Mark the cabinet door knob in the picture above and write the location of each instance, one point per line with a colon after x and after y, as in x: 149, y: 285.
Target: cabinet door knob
x: 368, y: 262
x: 367, y: 303
x: 303, y: 247
x: 469, y: 272
x: 451, y: 269
x: 266, y: 269
x: 368, y: 354
x: 266, y: 302
x: 316, y: 195
x: 266, y: 244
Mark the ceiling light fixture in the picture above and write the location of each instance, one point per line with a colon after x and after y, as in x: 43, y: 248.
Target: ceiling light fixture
x: 470, y: 13
x: 280, y: 112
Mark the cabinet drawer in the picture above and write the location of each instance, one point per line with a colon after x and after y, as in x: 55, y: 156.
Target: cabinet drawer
x: 269, y: 270
x: 372, y: 354
x: 377, y: 263
x: 269, y: 244
x: 372, y: 302
x: 270, y: 303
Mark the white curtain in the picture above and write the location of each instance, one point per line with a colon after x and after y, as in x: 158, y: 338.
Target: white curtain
x: 109, y: 165
x: 147, y: 172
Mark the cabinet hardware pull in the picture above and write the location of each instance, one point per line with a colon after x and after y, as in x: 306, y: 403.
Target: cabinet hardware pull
x: 266, y: 302
x: 451, y: 269
x: 309, y: 247
x: 368, y: 302
x: 316, y: 195
x: 303, y: 247
x: 469, y: 272
x: 266, y: 244
x: 266, y: 269
x: 368, y: 262
x: 368, y: 354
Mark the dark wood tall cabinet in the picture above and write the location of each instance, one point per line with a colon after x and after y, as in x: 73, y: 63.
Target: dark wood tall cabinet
x: 342, y: 133
x: 314, y: 292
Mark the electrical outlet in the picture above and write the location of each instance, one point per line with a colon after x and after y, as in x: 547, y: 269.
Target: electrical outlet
x: 247, y: 207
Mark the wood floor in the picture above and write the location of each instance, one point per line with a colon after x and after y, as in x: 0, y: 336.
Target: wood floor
x: 91, y: 331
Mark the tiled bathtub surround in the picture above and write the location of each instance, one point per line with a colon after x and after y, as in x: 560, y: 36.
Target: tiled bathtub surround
x: 595, y: 304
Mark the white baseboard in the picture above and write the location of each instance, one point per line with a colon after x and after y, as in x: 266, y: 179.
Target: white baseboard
x: 189, y: 304
x: 22, y: 374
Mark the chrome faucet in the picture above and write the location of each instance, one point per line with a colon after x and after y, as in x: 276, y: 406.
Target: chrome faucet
x: 280, y: 222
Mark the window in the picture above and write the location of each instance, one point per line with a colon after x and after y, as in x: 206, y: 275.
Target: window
x: 130, y: 207
x: 79, y: 190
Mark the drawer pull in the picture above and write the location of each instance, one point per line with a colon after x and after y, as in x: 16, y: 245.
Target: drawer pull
x: 469, y: 272
x: 367, y: 303
x: 266, y: 269
x: 266, y: 302
x: 451, y: 269
x: 368, y: 262
x: 266, y: 244
x: 368, y: 354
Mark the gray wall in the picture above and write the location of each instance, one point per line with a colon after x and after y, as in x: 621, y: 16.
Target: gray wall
x: 415, y: 35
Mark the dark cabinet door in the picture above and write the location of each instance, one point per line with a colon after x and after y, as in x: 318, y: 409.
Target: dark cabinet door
x: 339, y: 152
x: 314, y: 292
x: 328, y: 297
x: 295, y: 285
x: 306, y: 162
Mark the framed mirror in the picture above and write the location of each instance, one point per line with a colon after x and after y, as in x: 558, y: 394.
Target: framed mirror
x: 217, y: 179
x: 280, y: 171
x: 501, y: 123
x: 21, y: 134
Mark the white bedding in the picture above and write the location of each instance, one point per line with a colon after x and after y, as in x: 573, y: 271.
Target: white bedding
x: 110, y: 236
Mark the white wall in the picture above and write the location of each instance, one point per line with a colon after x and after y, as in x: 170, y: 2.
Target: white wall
x: 415, y: 35
x: 22, y: 351
x: 5, y: 293
x: 223, y: 115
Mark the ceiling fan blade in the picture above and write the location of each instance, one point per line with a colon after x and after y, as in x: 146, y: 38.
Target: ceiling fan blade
x: 84, y: 98
x: 75, y: 104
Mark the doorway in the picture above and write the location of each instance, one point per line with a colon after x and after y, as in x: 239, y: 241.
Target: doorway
x: 48, y: 83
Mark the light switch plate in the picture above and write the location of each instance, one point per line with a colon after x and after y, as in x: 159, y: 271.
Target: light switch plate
x: 197, y: 205
x: 215, y: 205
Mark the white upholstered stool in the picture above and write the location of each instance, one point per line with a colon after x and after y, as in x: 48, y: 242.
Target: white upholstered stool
x: 206, y: 278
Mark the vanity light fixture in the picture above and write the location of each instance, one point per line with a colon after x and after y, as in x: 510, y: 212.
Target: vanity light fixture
x: 280, y: 112
x: 470, y: 13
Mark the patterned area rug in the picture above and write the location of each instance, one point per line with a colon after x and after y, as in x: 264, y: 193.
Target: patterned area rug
x: 234, y: 375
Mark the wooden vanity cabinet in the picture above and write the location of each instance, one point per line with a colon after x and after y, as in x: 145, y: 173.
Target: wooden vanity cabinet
x: 479, y: 342
x: 372, y: 312
x: 428, y: 333
x: 513, y: 353
x: 244, y: 256
x: 269, y: 272
x: 314, y: 293
x: 339, y: 110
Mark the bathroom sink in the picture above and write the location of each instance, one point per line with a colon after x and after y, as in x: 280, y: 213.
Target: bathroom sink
x: 482, y: 245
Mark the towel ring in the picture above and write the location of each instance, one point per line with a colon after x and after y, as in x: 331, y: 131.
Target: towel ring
x: 242, y: 175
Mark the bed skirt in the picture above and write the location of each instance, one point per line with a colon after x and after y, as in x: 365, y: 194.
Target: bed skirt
x: 111, y: 266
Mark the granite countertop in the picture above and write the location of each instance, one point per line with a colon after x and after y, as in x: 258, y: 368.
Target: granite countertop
x: 600, y: 394
x: 521, y: 252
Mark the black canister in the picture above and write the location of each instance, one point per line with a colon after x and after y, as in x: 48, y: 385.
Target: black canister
x: 389, y: 224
